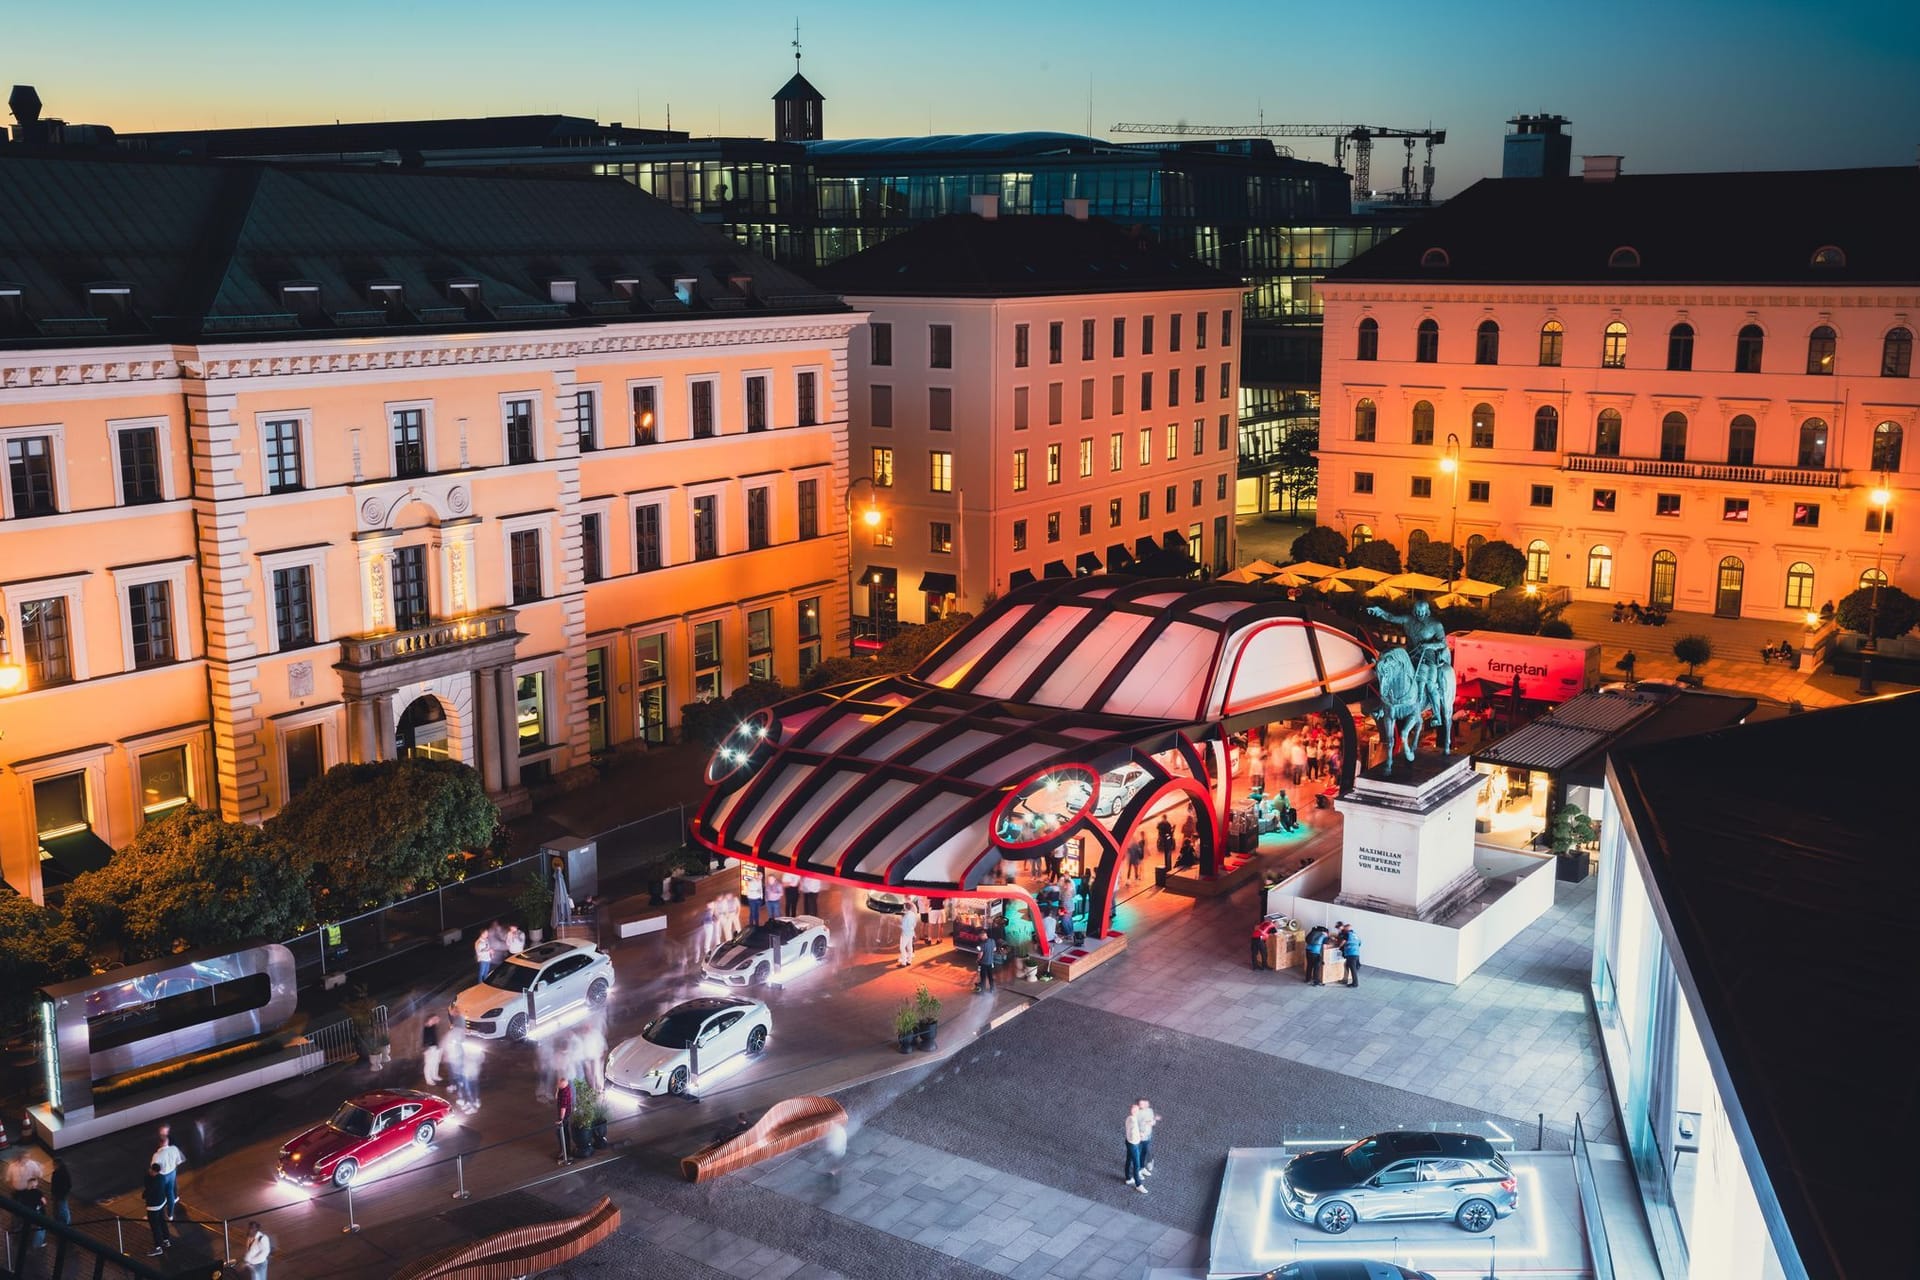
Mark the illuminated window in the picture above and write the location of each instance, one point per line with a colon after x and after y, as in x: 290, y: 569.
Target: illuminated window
x: 1613, y: 349
x: 1368, y: 340
x: 1821, y: 344
x: 1600, y: 568
x: 940, y: 471
x: 1364, y: 418
x: 1552, y: 338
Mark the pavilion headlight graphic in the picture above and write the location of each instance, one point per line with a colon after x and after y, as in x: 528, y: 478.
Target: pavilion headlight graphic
x: 743, y: 749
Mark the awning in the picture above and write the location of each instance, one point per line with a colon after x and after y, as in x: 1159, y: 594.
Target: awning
x: 1173, y: 540
x: 1087, y: 562
x: 939, y: 584
x: 66, y: 856
x: 876, y: 573
x: 1144, y: 547
x: 1019, y: 578
x: 1119, y: 558
x: 1056, y: 569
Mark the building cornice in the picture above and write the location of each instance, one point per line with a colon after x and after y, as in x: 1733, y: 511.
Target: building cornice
x: 1548, y: 293
x: 224, y: 361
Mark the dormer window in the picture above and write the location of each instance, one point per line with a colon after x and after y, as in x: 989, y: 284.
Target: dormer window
x: 464, y: 290
x: 564, y: 291
x: 385, y: 292
x: 301, y: 297
x: 1625, y: 258
x: 1435, y: 259
x: 109, y: 299
x: 12, y: 306
x: 683, y: 287
x: 626, y: 286
x: 1828, y: 255
x: 742, y: 285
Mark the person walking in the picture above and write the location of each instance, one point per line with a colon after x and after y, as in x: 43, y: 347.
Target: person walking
x: 483, y: 953
x: 1316, y: 944
x: 750, y: 891
x: 430, y: 1047
x: 1132, y: 1176
x: 909, y: 925
x: 516, y: 940
x: 772, y: 886
x: 169, y: 1158
x: 62, y: 1184
x: 157, y: 1198
x: 810, y: 887
x: 1069, y: 901
x: 1627, y: 664
x: 1136, y: 855
x: 563, y: 1116
x: 259, y: 1249
x: 1164, y: 842
x: 989, y: 957
x: 1350, y: 952
x: 1148, y: 1120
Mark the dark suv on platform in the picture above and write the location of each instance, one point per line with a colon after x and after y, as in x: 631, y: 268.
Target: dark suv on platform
x: 1401, y: 1175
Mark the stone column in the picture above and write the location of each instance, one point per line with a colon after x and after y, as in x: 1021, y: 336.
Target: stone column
x: 486, y: 730
x: 383, y: 719
x: 363, y: 731
x: 509, y: 729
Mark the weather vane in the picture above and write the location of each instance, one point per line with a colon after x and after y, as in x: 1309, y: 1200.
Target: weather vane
x: 796, y: 44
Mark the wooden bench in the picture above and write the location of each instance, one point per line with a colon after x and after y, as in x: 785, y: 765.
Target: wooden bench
x: 519, y: 1252
x: 786, y: 1125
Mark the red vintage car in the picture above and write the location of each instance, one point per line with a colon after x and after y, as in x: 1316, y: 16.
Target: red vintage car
x: 362, y: 1132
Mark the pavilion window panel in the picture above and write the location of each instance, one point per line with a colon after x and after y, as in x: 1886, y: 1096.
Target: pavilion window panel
x: 893, y: 744
x: 818, y: 799
x: 941, y: 756
x: 1015, y: 764
x: 1273, y: 661
x: 954, y: 859
x: 870, y: 810
x: 1094, y: 659
x: 1037, y: 646
x: 768, y: 796
x: 902, y: 836
x: 1166, y: 680
x: 960, y: 661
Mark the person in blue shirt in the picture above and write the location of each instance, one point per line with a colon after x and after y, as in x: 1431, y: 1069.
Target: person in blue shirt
x: 1350, y: 952
x: 1316, y: 944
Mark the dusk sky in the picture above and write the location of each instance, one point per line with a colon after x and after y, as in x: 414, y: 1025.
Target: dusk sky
x: 1672, y: 85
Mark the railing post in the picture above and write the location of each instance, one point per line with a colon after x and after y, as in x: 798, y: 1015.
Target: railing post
x: 460, y: 1168
x: 226, y: 1240
x: 352, y: 1227
x: 119, y: 1235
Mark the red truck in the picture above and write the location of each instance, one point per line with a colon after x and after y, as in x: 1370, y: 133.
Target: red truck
x: 1550, y: 670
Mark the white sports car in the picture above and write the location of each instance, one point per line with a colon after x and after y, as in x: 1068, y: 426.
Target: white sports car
x: 764, y: 950
x: 688, y: 1039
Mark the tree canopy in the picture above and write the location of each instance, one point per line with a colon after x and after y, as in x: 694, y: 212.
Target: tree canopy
x: 375, y: 832
x: 189, y: 879
x: 1320, y: 545
x: 1440, y: 559
x: 37, y: 947
x: 1899, y: 612
x: 1498, y: 561
x: 1297, y: 461
x: 903, y: 652
x: 709, y: 723
x: 1693, y: 650
x: 1375, y: 553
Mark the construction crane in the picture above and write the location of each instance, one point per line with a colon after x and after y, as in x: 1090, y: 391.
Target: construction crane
x: 1360, y: 136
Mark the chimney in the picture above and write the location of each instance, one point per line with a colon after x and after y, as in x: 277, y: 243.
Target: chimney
x: 985, y: 206
x: 1075, y: 209
x: 1599, y: 168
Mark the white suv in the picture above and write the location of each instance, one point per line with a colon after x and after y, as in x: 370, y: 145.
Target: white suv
x: 532, y: 989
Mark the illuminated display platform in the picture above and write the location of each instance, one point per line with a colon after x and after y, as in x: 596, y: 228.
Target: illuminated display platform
x: 1070, y: 713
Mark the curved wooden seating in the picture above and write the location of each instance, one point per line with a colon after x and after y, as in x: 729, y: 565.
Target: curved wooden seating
x: 519, y: 1252
x: 786, y: 1125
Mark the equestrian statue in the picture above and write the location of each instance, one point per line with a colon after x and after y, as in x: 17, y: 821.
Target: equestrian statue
x: 1415, y: 680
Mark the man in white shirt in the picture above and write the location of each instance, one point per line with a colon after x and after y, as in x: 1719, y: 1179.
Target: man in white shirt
x: 810, y: 887
x: 259, y: 1249
x: 909, y: 925
x: 1133, y: 1177
x: 1144, y: 1110
x: 169, y: 1158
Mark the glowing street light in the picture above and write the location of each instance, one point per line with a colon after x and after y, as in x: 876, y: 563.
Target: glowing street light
x: 872, y: 517
x: 1450, y: 464
x: 1880, y: 497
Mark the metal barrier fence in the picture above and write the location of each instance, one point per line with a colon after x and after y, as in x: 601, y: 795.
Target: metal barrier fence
x: 69, y: 1252
x: 424, y: 919
x: 339, y: 1042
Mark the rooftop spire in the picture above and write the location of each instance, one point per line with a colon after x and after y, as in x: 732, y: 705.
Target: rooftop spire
x: 796, y: 46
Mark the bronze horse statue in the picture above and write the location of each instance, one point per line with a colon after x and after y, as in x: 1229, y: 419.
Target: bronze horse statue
x: 1407, y: 693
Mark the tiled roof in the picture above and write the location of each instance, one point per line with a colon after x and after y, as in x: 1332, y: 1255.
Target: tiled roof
x: 1775, y: 848
x: 965, y: 255
x: 407, y: 137
x: 1683, y: 227
x: 206, y: 248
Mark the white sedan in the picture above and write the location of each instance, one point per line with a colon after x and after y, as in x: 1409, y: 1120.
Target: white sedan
x: 766, y: 949
x: 687, y: 1040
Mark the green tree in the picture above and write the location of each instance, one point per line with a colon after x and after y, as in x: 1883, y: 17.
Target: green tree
x: 709, y: 723
x: 1694, y: 650
x: 190, y: 879
x: 1557, y: 628
x: 1320, y: 545
x: 903, y: 652
x: 1297, y: 464
x: 832, y: 671
x: 1437, y: 559
x: 1499, y: 562
x: 38, y: 946
x: 1516, y: 614
x: 1375, y: 553
x: 375, y: 832
x: 1899, y: 612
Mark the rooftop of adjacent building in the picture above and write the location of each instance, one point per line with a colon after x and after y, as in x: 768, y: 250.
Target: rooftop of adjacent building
x: 102, y: 249
x: 405, y: 138
x: 982, y: 255
x: 1667, y: 228
x: 1781, y: 854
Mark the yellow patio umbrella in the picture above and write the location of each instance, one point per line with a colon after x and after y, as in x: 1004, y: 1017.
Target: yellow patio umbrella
x: 1415, y: 582
x: 1474, y: 587
x: 1361, y: 573
x: 1239, y: 575
x: 1332, y: 585
x: 1265, y: 568
x: 1451, y: 600
x: 1312, y: 569
x: 1288, y: 578
x: 1384, y: 591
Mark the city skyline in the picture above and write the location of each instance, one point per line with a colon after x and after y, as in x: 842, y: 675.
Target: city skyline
x: 1766, y: 86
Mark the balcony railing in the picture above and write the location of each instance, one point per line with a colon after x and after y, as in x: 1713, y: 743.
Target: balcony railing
x: 451, y: 633
x: 1607, y: 464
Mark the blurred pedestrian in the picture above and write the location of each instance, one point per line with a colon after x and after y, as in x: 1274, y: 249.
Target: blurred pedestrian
x: 259, y: 1249
x: 430, y: 1047
x: 836, y: 1148
x: 909, y: 925
x: 810, y: 887
x: 751, y: 890
x: 790, y: 886
x: 516, y: 940
x: 1136, y: 855
x: 157, y: 1198
x: 169, y: 1158
x: 772, y: 886
x: 989, y: 957
x: 483, y: 953
x: 1132, y: 1176
x: 62, y: 1184
x: 591, y: 1049
x: 1148, y: 1120
x: 563, y: 1116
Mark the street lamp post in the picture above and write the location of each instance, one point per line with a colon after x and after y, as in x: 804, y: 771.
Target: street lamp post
x: 1880, y: 497
x: 1450, y: 463
x: 870, y: 517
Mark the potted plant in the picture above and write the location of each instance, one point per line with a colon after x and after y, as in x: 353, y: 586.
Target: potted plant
x: 1023, y: 959
x: 926, y: 1010
x: 534, y: 901
x: 589, y: 1118
x: 1570, y: 832
x: 906, y: 1025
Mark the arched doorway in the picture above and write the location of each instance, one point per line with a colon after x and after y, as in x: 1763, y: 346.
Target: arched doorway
x: 1666, y: 569
x: 422, y: 730
x: 1732, y: 583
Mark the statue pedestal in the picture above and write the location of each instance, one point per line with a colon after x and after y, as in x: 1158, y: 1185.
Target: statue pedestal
x: 1408, y: 847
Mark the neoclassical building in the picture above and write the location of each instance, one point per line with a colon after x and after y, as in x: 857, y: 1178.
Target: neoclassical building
x: 1690, y: 390
x: 308, y: 466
